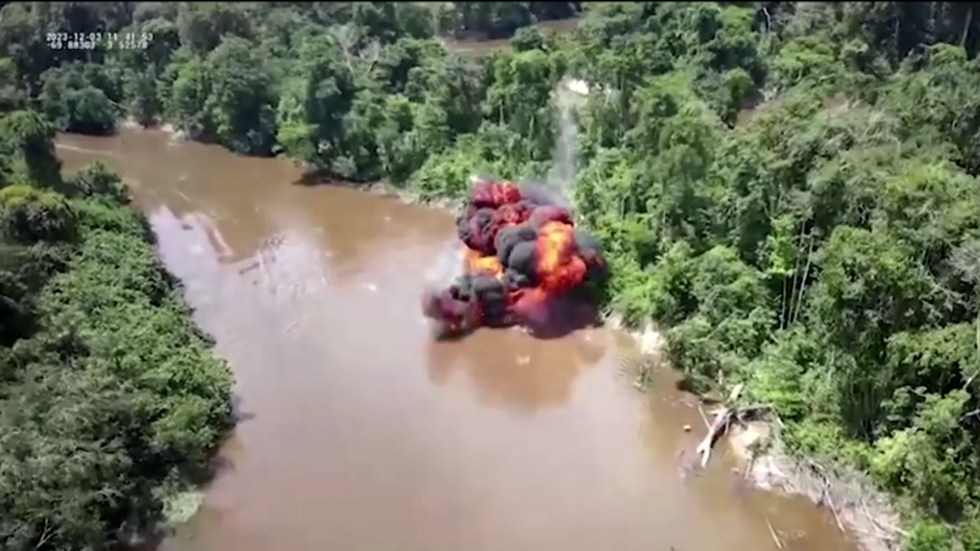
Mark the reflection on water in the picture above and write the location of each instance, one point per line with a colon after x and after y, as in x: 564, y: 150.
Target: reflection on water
x: 363, y: 433
x: 511, y: 369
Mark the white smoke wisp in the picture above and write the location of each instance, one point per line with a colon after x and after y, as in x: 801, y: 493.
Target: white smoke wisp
x: 447, y: 267
x: 558, y: 185
x: 565, y: 166
x: 444, y: 270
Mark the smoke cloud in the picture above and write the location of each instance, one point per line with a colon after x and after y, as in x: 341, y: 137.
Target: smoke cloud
x: 522, y: 255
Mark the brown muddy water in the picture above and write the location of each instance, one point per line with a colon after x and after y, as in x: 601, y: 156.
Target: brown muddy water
x: 361, y: 433
x: 481, y: 46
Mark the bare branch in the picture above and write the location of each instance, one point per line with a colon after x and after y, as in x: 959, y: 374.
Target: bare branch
x: 46, y: 534
x: 775, y: 538
x: 346, y: 37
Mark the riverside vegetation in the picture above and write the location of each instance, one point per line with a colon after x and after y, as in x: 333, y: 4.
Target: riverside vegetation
x: 790, y: 188
x: 111, y: 404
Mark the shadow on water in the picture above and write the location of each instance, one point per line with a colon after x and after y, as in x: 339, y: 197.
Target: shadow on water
x: 157, y: 529
x: 238, y: 413
x: 313, y: 178
x: 557, y: 318
x: 533, y: 374
x: 562, y: 317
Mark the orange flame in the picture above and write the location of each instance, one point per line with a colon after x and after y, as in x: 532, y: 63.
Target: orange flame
x: 478, y: 263
x: 559, y: 268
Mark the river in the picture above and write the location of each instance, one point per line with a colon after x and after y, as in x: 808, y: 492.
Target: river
x: 482, y: 46
x: 358, y: 432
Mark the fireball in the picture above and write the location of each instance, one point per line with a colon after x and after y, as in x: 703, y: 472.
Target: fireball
x: 521, y: 252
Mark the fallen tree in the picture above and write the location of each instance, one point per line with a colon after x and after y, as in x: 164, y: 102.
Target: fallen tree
x: 855, y: 505
x: 724, y: 417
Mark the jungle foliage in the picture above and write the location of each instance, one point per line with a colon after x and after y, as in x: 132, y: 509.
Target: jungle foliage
x: 111, y: 402
x: 790, y: 188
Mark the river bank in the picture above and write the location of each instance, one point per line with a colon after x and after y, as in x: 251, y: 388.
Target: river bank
x: 849, y: 495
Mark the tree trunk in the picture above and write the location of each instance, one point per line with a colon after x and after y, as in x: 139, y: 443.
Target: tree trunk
x: 782, y: 307
x: 806, y: 274
x: 718, y: 427
x: 796, y: 271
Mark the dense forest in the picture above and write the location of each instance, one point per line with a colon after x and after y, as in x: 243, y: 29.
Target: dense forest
x: 790, y: 189
x: 111, y: 404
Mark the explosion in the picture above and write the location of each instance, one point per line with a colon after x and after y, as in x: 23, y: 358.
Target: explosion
x: 522, y: 254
